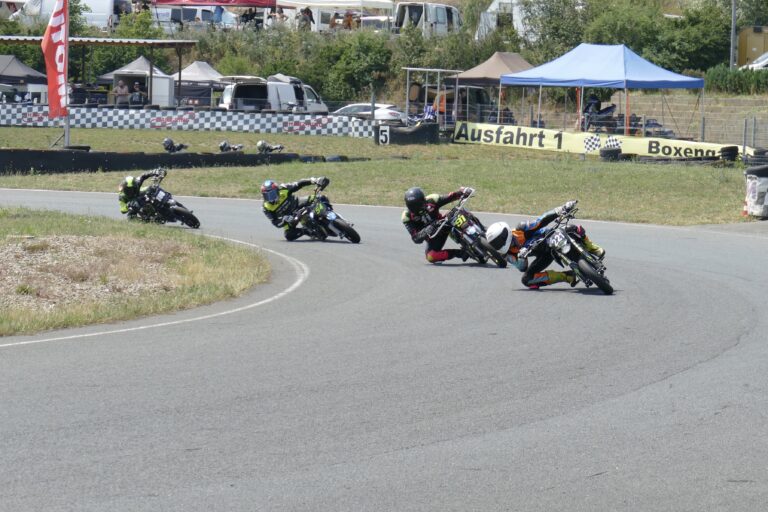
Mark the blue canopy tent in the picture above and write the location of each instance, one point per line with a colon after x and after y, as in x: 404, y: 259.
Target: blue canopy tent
x: 596, y: 65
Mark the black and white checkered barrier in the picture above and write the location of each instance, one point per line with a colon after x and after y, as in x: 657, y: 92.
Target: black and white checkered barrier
x: 301, y: 124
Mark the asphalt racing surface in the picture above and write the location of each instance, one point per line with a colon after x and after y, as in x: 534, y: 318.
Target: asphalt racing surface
x: 362, y: 378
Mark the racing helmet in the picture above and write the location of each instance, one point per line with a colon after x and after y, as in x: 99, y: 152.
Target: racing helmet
x: 168, y: 144
x: 127, y: 184
x: 270, y: 191
x: 263, y: 146
x: 224, y: 146
x: 415, y: 199
x: 500, y: 236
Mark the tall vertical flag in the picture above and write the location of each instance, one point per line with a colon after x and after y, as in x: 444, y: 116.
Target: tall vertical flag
x: 56, y: 51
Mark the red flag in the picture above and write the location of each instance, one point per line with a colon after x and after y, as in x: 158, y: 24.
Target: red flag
x: 55, y: 49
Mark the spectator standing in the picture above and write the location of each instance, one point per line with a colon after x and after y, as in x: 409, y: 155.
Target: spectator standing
x: 137, y: 97
x: 121, y: 93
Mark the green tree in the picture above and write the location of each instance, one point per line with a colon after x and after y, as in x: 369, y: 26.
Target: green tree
x: 363, y: 63
x: 625, y: 22
x: 552, y: 27
x: 697, y: 41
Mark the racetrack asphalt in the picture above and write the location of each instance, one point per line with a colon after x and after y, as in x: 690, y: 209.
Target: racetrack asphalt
x: 377, y: 381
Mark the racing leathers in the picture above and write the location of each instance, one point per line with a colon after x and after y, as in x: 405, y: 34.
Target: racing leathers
x: 422, y: 227
x: 281, y: 211
x: 534, y: 274
x: 130, y: 191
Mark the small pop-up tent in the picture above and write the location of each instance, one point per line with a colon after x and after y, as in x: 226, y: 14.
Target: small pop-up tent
x: 608, y: 66
x: 15, y: 72
x: 198, y: 82
x: 20, y: 80
x: 488, y: 73
x: 158, y: 84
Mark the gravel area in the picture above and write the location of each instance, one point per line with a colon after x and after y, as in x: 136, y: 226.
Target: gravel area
x: 42, y: 273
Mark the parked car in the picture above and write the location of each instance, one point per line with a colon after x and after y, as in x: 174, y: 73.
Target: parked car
x: 759, y: 63
x: 278, y: 93
x: 384, y: 113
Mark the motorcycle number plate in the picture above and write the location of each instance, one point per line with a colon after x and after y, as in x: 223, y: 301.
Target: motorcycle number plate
x: 558, y: 240
x: 160, y: 195
x: 459, y: 221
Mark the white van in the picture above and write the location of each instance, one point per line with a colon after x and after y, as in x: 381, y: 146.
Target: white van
x: 431, y: 19
x: 278, y: 93
x: 99, y: 13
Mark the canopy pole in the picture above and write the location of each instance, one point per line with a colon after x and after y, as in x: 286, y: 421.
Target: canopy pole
x: 522, y: 104
x: 580, y: 94
x: 538, y: 112
x: 407, y: 92
x: 626, y: 112
x: 178, y: 84
x: 437, y: 97
x: 702, y: 115
x: 455, y: 101
x: 498, y: 107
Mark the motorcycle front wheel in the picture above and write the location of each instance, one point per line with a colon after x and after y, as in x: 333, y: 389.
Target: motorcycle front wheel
x: 492, y: 253
x: 590, y: 273
x: 185, y: 216
x: 347, y: 230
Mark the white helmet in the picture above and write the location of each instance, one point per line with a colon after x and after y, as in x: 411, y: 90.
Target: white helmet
x: 499, y: 236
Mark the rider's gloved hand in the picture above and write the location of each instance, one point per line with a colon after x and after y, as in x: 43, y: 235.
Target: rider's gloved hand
x: 322, y: 181
x: 567, y: 207
x: 523, y: 253
x: 425, y: 233
x: 466, y: 191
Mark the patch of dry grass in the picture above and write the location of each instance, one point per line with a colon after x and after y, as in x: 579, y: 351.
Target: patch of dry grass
x: 69, y: 271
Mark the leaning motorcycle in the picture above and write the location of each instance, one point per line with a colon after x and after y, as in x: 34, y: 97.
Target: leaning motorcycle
x: 158, y: 205
x: 469, y: 233
x: 568, y: 251
x: 320, y: 220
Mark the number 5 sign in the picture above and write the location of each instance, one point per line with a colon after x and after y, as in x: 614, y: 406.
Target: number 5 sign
x: 383, y: 139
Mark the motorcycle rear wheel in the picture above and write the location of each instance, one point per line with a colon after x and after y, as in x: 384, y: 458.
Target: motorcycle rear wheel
x: 590, y: 273
x: 492, y: 253
x: 347, y: 230
x: 185, y: 216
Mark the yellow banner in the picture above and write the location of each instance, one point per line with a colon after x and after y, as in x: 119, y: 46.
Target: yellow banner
x: 579, y: 142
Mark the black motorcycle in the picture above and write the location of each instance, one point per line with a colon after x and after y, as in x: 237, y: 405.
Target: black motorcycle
x: 469, y: 233
x: 158, y: 205
x: 320, y: 220
x: 568, y: 251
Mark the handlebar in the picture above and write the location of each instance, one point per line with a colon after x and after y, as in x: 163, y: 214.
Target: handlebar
x: 449, y: 215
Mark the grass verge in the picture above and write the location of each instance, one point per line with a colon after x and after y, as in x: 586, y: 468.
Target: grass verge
x: 507, y: 180
x: 66, y: 271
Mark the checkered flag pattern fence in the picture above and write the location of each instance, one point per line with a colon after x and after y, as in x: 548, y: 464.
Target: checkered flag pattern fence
x: 592, y: 143
x: 612, y: 142
x: 37, y: 116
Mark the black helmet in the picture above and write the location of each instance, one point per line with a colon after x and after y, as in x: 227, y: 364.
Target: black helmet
x: 224, y: 146
x: 415, y: 200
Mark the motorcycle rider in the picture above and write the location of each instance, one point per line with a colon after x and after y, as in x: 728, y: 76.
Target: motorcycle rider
x: 130, y: 190
x: 421, y: 219
x: 280, y: 203
x: 517, y: 243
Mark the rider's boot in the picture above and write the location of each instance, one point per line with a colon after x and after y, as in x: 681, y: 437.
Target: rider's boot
x: 594, y: 248
x: 549, y: 277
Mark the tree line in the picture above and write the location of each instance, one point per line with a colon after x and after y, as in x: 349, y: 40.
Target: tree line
x: 349, y: 65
